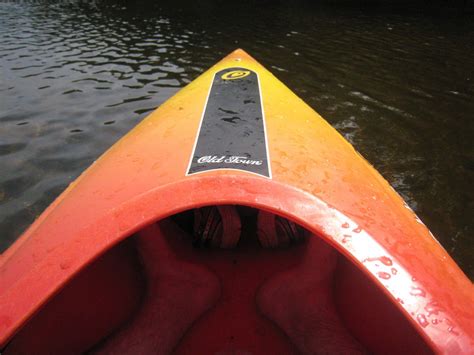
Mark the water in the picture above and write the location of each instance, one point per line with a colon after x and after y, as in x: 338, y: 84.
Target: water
x: 398, y: 85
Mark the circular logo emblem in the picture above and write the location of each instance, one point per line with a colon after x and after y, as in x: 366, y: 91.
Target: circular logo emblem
x: 235, y: 74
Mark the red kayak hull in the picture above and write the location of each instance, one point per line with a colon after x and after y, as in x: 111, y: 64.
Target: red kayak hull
x: 392, y: 272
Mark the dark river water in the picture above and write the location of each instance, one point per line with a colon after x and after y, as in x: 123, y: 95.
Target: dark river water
x: 76, y: 76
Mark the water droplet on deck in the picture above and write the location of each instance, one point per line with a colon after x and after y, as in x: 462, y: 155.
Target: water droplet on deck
x: 432, y: 308
x: 394, y: 271
x: 384, y: 275
x: 386, y: 261
x: 65, y: 265
x: 416, y: 291
x: 452, y: 331
x: 346, y: 238
x: 422, y: 320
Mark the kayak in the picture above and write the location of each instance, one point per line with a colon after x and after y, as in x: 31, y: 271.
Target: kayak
x: 232, y: 220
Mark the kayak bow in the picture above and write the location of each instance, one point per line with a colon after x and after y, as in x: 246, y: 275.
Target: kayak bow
x: 233, y: 219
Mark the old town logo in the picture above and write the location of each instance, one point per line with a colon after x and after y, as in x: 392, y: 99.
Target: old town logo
x: 235, y: 74
x: 226, y: 159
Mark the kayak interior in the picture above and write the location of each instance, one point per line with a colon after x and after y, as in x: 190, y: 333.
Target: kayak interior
x: 221, y: 279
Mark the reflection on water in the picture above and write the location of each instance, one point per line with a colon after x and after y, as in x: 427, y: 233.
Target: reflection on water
x: 76, y: 77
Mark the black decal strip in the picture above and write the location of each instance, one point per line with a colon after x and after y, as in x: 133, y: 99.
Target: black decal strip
x: 232, y: 133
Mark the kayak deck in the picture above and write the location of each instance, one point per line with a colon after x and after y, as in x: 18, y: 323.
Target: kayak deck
x: 159, y: 291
